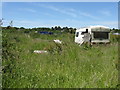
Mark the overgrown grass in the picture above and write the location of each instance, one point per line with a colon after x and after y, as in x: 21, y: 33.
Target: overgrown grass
x: 66, y: 65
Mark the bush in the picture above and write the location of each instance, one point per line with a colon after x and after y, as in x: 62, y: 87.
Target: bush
x: 115, y: 38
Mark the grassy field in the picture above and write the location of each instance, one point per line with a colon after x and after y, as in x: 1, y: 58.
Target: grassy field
x: 66, y: 65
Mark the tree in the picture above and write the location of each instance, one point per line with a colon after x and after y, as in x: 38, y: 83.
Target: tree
x: 66, y: 29
x: 52, y: 28
x: 22, y: 28
x: 55, y: 28
x: 59, y: 28
x: 16, y: 28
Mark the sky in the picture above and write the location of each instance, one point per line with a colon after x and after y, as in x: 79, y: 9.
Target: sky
x: 50, y: 14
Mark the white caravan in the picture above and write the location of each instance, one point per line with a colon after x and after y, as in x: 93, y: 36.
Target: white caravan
x: 93, y: 34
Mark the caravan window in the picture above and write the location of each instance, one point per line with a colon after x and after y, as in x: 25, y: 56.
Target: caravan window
x: 101, y: 35
x: 77, y: 34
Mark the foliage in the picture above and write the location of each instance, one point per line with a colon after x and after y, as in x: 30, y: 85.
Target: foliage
x: 66, y: 65
x: 115, y: 38
x: 115, y: 30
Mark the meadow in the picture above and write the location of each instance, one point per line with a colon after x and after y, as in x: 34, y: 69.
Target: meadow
x: 66, y: 65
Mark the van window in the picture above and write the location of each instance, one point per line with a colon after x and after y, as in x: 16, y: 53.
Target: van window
x: 86, y: 30
x: 83, y: 33
x: 77, y: 34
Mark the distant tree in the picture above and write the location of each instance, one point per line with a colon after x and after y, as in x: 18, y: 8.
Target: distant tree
x: 34, y: 29
x: 22, y: 28
x: 115, y: 30
x: 52, y: 28
x: 26, y: 31
x: 59, y: 28
x: 74, y: 30
x: 16, y: 28
x: 66, y: 29
x: 56, y: 28
x: 70, y: 30
x: 8, y: 27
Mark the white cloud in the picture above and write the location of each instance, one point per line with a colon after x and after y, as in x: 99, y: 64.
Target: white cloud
x: 31, y: 24
x: 51, y: 23
x: 78, y: 24
x: 111, y: 24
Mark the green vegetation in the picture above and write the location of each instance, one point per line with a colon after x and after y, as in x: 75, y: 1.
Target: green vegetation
x: 66, y: 65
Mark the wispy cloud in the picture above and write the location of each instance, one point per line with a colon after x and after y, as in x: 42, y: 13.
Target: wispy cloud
x: 105, y: 12
x: 48, y: 14
x: 28, y: 10
x: 89, y: 15
x: 85, y: 14
x: 70, y: 11
x: 64, y: 11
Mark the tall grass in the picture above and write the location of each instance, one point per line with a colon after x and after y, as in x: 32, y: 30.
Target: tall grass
x: 66, y: 65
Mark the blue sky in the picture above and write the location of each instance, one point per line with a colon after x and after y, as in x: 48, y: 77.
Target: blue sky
x: 70, y: 14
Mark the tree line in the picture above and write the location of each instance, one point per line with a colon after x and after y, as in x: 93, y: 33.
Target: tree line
x: 53, y: 29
